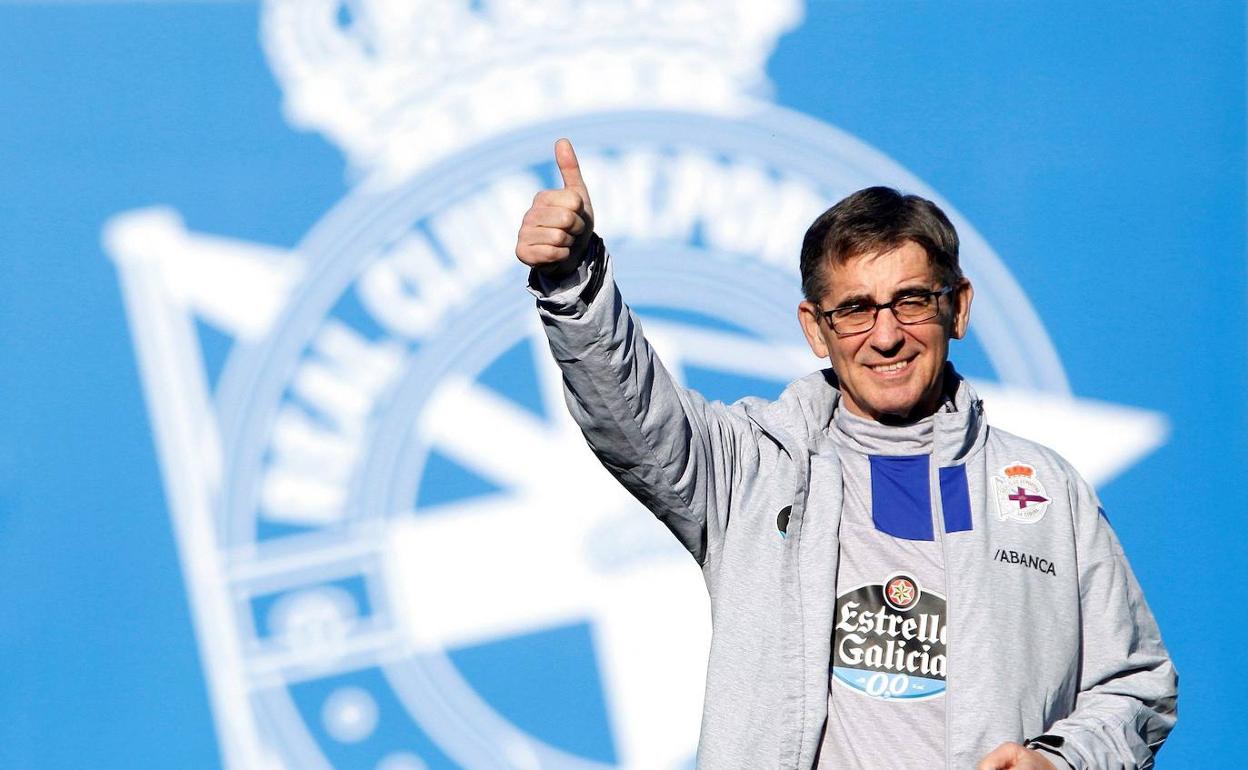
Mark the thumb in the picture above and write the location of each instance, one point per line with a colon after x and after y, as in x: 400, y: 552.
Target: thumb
x: 569, y: 168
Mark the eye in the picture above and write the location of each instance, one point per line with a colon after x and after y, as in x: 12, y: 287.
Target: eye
x: 851, y: 311
x: 912, y: 302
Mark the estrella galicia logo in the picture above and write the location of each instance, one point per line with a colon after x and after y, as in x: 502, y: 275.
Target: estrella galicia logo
x: 890, y: 640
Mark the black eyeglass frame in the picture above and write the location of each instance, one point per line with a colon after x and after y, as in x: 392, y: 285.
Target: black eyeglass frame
x: 876, y: 308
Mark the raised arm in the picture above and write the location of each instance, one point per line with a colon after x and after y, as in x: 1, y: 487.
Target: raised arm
x: 672, y: 449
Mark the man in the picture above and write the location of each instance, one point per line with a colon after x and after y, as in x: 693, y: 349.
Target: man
x: 894, y: 583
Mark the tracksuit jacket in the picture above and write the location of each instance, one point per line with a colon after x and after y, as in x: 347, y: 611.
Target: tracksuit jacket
x: 1048, y: 631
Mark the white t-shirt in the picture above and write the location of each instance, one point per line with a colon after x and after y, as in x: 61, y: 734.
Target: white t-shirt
x: 886, y: 702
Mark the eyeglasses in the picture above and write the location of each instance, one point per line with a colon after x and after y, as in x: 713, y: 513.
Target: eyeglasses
x: 912, y: 308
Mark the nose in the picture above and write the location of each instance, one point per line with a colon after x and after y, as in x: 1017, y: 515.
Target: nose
x: 886, y: 336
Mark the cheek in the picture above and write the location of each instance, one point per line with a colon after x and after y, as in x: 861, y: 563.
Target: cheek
x: 938, y: 340
x: 839, y: 351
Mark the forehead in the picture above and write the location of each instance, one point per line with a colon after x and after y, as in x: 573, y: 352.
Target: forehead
x: 880, y: 273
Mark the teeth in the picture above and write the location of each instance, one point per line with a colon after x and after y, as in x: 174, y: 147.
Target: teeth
x: 890, y: 367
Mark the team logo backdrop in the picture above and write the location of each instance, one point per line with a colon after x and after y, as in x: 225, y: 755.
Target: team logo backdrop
x: 386, y: 545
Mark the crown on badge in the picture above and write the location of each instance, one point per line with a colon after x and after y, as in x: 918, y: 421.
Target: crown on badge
x: 1019, y: 470
x: 399, y: 83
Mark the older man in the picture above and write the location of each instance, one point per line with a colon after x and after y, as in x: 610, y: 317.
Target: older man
x: 894, y: 583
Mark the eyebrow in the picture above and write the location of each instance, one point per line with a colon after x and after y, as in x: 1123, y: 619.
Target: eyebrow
x: 866, y: 299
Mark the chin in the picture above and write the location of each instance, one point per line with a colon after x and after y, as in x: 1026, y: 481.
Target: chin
x: 895, y: 408
x: 896, y: 402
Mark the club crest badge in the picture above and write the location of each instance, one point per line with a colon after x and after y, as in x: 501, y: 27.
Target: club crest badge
x: 1019, y: 494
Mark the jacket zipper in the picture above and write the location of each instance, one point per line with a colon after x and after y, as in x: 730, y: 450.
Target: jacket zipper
x: 938, y: 526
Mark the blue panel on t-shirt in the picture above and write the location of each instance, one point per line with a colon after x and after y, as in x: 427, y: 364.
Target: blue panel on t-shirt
x: 955, y: 499
x: 901, y: 501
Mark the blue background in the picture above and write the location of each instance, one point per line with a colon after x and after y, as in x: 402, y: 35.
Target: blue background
x: 1098, y: 147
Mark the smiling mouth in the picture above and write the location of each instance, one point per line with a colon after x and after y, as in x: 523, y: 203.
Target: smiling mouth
x: 896, y: 366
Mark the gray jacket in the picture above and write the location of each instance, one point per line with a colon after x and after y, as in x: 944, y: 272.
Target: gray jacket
x: 1049, y: 632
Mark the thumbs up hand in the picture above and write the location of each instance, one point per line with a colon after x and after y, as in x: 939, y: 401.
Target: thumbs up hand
x: 556, y: 229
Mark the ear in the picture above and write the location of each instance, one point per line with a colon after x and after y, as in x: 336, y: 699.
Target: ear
x: 962, y: 309
x: 808, y: 317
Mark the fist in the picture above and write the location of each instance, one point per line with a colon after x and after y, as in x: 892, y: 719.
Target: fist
x: 1013, y: 756
x: 556, y: 229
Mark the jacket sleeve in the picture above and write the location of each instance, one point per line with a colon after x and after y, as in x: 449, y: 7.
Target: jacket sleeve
x: 1128, y: 687
x: 670, y: 447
